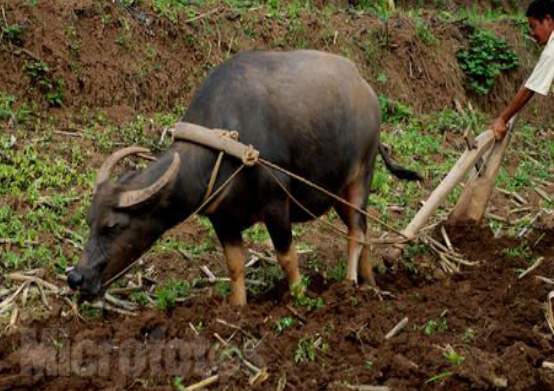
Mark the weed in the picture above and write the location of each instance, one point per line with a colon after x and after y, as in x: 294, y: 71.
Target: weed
x: 384, y: 10
x: 453, y: 357
x: 337, y: 273
x: 13, y: 34
x: 223, y: 288
x: 424, y: 32
x: 302, y: 299
x: 439, y: 377
x: 486, y: 57
x: 468, y: 337
x: 9, y: 111
x: 284, y: 323
x: 141, y: 298
x: 521, y: 251
x: 432, y: 326
x: 257, y: 233
x: 394, y: 111
x: 308, y: 347
x: 41, y: 75
x: 168, y: 294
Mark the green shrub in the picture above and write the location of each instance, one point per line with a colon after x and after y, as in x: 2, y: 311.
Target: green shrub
x: 486, y: 57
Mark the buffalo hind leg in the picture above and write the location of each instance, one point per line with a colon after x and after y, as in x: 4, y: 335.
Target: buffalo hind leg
x: 235, y: 256
x: 280, y: 229
x: 358, y: 254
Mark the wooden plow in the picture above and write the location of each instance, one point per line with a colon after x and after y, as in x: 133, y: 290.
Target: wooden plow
x: 483, y: 158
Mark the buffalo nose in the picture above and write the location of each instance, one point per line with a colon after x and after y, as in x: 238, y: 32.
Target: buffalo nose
x: 75, y: 280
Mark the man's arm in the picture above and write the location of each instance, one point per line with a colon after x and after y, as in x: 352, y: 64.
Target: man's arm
x: 520, y: 100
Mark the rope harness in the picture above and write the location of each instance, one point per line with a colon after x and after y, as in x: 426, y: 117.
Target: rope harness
x: 226, y: 142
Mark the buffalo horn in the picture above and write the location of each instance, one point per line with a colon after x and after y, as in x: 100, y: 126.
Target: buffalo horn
x: 109, y: 163
x: 134, y: 197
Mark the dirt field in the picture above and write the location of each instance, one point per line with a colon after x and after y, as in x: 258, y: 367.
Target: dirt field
x: 494, y: 323
x: 128, y: 70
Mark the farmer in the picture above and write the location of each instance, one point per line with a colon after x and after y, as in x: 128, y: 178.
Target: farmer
x: 540, y: 15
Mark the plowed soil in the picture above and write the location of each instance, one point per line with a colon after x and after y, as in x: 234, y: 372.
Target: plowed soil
x: 481, y: 329
x: 493, y: 322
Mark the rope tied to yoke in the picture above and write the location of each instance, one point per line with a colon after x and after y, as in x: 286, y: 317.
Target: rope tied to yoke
x: 227, y: 143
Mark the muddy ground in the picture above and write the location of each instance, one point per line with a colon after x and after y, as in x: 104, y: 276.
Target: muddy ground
x: 480, y: 329
x: 493, y: 322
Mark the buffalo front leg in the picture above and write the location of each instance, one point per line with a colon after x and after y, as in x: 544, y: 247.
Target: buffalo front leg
x: 280, y: 230
x: 235, y: 256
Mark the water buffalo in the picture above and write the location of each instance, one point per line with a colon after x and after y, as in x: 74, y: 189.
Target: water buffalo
x: 309, y: 112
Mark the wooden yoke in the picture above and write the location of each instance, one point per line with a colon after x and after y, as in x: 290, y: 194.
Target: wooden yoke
x: 218, y: 139
x: 468, y: 160
x: 473, y: 201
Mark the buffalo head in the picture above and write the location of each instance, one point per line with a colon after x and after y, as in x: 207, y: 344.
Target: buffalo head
x: 122, y: 221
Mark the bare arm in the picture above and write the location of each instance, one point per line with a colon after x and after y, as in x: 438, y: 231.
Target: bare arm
x: 520, y: 100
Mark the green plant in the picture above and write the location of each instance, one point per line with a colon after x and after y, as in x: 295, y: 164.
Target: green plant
x: 468, y: 337
x: 452, y: 356
x: 302, y: 299
x: 9, y: 111
x: 486, y: 57
x: 439, y: 377
x: 223, y: 288
x: 41, y: 75
x: 337, y: 273
x: 521, y: 251
x: 393, y: 111
x: 384, y: 10
x: 432, y: 326
x: 13, y: 34
x: 307, y: 348
x: 167, y: 294
x: 284, y: 323
x: 424, y: 32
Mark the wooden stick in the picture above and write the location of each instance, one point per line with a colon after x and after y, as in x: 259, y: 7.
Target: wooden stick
x: 533, y: 267
x: 550, y: 312
x: 202, y: 384
x: 544, y: 279
x: 106, y: 307
x: 297, y: 314
x: 543, y: 194
x: 446, y: 239
x: 13, y: 318
x: 120, y: 303
x: 36, y: 280
x: 366, y: 388
x: 263, y: 257
x: 10, y: 299
x: 43, y: 297
x: 397, y: 329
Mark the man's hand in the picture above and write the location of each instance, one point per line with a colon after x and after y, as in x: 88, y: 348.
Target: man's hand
x: 499, y: 128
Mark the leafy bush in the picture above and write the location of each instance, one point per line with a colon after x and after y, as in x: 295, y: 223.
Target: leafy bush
x: 51, y: 88
x: 486, y: 57
x: 393, y: 111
